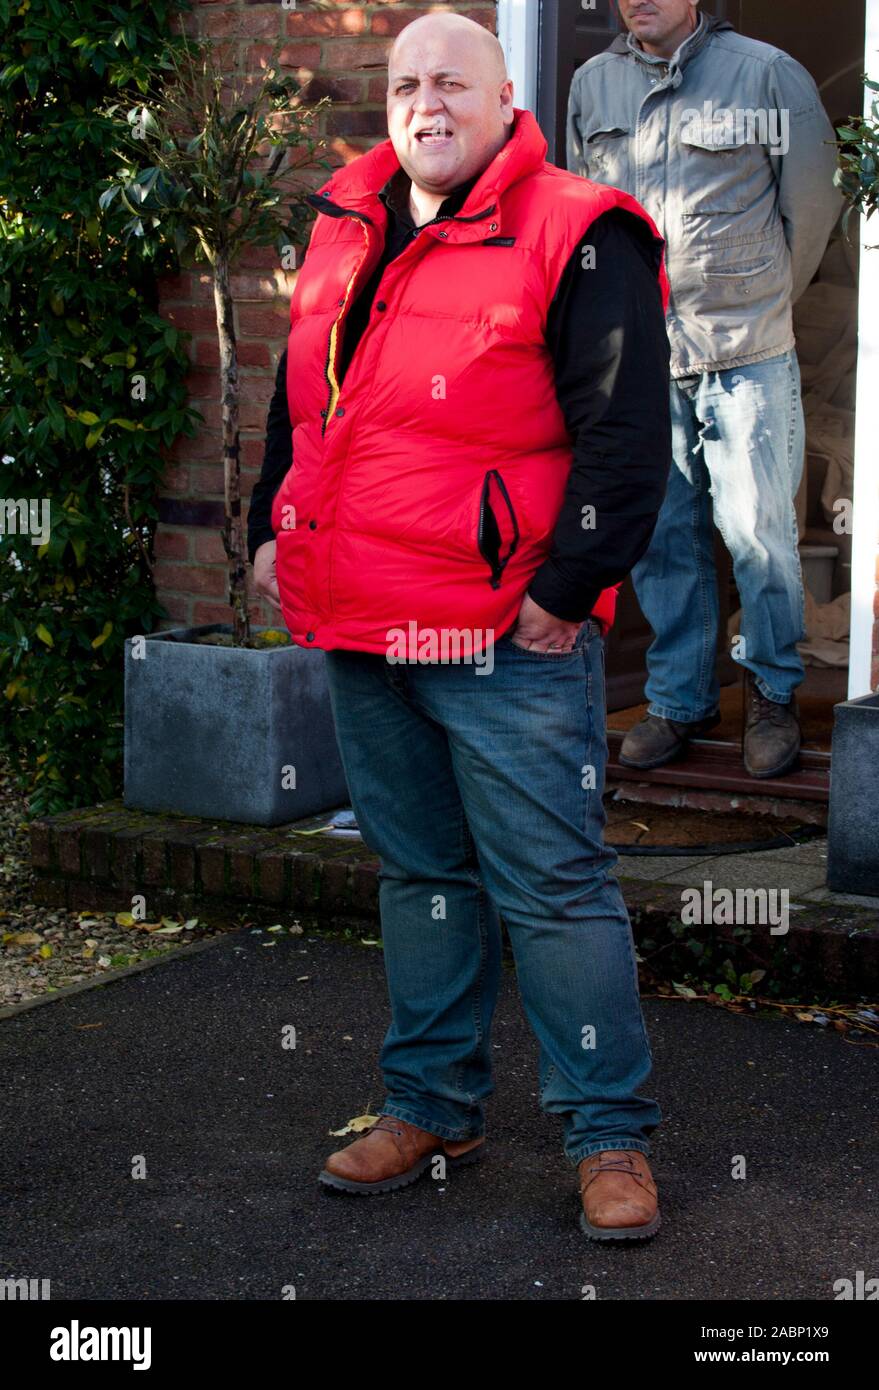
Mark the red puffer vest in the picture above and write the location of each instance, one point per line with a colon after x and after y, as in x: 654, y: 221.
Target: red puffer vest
x: 424, y: 490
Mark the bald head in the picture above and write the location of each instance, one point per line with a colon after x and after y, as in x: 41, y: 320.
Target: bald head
x: 487, y: 53
x: 450, y: 101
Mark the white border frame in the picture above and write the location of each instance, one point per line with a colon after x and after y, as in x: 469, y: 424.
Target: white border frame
x: 865, y: 503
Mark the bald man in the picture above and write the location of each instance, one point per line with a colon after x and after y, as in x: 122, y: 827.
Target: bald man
x: 477, y: 382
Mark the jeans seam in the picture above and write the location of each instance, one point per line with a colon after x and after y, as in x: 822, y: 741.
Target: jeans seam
x: 401, y: 1112
x: 595, y: 1146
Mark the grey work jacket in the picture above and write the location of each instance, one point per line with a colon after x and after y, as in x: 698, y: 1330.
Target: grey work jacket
x: 726, y: 146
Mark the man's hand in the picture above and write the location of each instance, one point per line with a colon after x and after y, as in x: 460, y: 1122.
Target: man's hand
x: 265, y: 580
x: 538, y: 631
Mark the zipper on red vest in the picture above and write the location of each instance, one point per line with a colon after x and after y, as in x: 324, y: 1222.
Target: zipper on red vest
x: 333, y: 210
x: 498, y: 530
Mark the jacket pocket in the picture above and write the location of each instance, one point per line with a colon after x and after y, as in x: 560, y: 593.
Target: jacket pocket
x: 721, y: 172
x: 606, y: 155
x: 498, y: 530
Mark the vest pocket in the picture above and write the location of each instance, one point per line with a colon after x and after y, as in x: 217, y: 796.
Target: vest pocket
x: 498, y: 533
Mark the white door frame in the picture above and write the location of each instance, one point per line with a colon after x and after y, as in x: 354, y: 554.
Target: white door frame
x: 518, y: 32
x: 518, y: 27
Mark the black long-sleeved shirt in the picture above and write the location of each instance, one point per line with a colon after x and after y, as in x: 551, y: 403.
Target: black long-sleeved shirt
x: 606, y: 333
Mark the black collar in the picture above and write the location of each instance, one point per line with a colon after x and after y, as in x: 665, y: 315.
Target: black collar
x: 395, y: 196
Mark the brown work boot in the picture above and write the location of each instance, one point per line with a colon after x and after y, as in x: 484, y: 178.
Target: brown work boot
x: 392, y: 1154
x: 619, y: 1196
x: 654, y: 740
x: 771, y: 734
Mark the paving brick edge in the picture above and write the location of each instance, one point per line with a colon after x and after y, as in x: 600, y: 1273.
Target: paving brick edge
x: 99, y: 857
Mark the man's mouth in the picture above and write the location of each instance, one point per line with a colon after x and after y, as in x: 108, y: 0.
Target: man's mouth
x: 433, y: 136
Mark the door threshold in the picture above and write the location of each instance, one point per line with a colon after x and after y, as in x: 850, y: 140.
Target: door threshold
x: 711, y: 765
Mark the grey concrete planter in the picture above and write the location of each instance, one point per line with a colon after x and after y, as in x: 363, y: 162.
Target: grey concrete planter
x: 230, y: 733
x: 853, y: 825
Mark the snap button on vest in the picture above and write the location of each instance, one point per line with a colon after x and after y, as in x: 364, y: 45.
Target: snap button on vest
x: 309, y: 636
x: 381, y: 305
x: 312, y: 525
x: 340, y: 410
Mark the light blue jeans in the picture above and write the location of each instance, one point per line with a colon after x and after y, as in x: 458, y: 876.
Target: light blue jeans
x: 738, y: 436
x: 481, y: 794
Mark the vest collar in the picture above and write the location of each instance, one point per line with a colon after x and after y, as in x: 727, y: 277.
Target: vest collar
x: 354, y: 189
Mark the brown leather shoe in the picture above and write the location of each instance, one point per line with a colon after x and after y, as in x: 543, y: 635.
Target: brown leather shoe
x: 771, y: 733
x: 393, y: 1154
x: 619, y: 1196
x: 654, y: 741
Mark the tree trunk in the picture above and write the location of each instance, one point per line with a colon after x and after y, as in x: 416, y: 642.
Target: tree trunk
x: 233, y: 532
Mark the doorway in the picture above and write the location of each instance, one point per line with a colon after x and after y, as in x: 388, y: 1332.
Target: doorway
x: 825, y: 324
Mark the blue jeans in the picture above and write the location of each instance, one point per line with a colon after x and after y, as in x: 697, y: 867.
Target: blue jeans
x: 739, y: 437
x: 481, y: 794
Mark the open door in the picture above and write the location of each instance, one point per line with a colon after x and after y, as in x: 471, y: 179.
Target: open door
x: 825, y: 320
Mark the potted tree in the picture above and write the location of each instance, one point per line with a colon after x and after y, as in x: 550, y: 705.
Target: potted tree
x: 223, y: 721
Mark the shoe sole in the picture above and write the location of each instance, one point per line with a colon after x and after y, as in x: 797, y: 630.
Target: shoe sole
x: 365, y: 1189
x: 620, y: 1232
x: 774, y: 771
x: 677, y: 752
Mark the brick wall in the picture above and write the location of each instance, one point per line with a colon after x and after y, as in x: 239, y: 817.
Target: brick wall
x: 339, y: 50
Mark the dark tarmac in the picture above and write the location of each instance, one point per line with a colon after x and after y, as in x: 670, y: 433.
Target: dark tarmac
x: 183, y: 1064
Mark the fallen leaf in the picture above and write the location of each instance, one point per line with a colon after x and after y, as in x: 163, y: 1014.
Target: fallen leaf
x: 125, y: 919
x: 641, y: 826
x: 299, y: 978
x: 193, y: 922
x: 355, y: 1126
x: 169, y: 931
x: 25, y: 938
x: 684, y: 991
x: 45, y: 952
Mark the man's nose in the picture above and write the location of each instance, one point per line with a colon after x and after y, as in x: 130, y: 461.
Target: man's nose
x: 428, y: 100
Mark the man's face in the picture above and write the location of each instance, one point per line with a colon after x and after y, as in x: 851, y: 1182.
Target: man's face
x: 448, y: 108
x: 654, y: 21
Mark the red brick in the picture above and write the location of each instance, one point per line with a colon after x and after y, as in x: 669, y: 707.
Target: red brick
x: 347, y: 55
x: 341, y: 21
x: 203, y: 612
x: 338, y: 89
x: 257, y: 258
x: 347, y: 122
x: 40, y: 836
x: 271, y: 868
x: 206, y: 444
x: 154, y: 859
x: 207, y: 482
x: 202, y: 384
x: 179, y: 609
x: 190, y: 318
x: 175, y: 479
x: 171, y: 545
x: 191, y: 579
x: 208, y: 546
x: 252, y: 452
x: 268, y: 321
x: 206, y: 352
x: 292, y: 55
x: 211, y: 860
